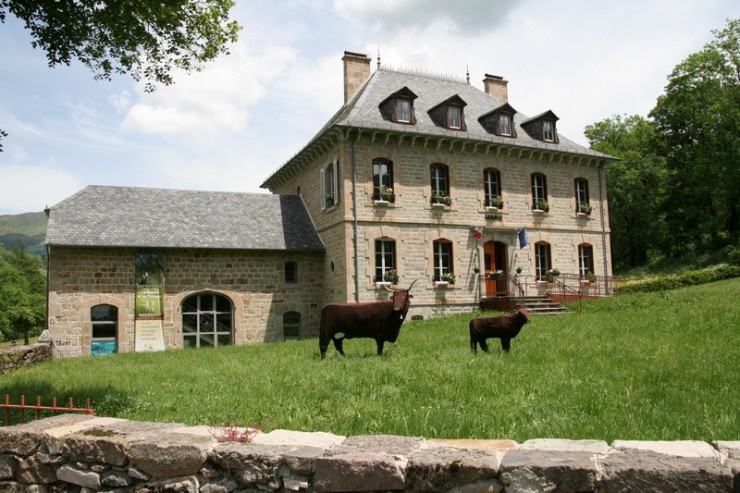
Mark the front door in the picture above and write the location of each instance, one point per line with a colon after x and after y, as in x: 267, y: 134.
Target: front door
x: 494, y: 259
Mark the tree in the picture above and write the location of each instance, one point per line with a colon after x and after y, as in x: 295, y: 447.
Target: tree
x: 698, y: 119
x: 146, y: 40
x: 22, y: 295
x: 636, y: 185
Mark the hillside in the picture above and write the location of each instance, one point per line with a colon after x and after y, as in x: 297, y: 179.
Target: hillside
x: 26, y: 229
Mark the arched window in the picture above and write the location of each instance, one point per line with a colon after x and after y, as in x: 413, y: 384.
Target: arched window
x: 585, y: 261
x: 443, y: 270
x: 291, y: 326
x: 383, y: 180
x: 492, y: 188
x: 385, y: 260
x: 206, y: 321
x: 104, y: 329
x: 542, y: 260
x: 440, y: 181
x: 539, y: 192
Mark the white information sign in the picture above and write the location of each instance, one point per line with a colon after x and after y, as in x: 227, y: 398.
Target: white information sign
x: 149, y: 335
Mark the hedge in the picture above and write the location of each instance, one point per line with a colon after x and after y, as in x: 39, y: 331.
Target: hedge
x: 691, y: 278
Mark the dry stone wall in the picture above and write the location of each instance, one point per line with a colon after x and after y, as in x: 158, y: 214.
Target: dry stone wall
x: 79, y: 453
x: 15, y: 357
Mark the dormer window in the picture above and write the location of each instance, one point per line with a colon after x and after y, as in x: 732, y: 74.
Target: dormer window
x: 504, y: 124
x: 500, y: 121
x: 399, y: 107
x: 548, y: 131
x: 542, y: 127
x: 454, y: 117
x: 403, y: 111
x: 449, y: 114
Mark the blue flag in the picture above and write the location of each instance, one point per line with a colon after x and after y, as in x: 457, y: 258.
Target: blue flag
x: 522, y: 238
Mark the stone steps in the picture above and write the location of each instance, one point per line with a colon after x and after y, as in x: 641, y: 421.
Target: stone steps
x: 541, y: 305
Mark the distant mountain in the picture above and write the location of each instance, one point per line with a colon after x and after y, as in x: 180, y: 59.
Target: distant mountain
x: 27, y: 229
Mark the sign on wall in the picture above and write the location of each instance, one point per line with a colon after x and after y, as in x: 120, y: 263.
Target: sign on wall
x: 149, y: 301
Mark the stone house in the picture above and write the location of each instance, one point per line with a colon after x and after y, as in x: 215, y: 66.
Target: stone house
x: 436, y: 181
x: 416, y: 178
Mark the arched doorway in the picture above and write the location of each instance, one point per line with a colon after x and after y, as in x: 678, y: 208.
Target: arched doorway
x: 207, y: 321
x: 495, y: 269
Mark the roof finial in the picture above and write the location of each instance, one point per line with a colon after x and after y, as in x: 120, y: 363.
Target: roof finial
x: 467, y: 72
x: 378, y: 56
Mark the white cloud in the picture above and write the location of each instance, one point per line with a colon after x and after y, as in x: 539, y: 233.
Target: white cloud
x: 216, y: 99
x: 463, y: 15
x: 31, y: 188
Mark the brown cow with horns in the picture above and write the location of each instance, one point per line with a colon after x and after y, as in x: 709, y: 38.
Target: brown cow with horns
x: 505, y: 327
x: 379, y: 320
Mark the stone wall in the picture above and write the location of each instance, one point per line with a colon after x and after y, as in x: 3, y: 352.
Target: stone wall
x: 85, y: 453
x: 14, y: 357
x: 253, y: 281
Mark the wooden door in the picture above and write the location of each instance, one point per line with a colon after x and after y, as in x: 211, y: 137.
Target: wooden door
x: 494, y: 259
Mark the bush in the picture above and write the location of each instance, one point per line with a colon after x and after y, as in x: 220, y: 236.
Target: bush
x: 691, y: 278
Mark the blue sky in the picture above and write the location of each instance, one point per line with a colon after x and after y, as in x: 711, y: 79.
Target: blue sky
x: 229, y: 127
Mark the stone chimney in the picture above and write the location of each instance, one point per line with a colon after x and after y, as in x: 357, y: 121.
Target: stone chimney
x: 495, y: 86
x: 356, y: 73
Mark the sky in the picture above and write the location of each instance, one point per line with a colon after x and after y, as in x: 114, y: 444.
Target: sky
x: 229, y: 127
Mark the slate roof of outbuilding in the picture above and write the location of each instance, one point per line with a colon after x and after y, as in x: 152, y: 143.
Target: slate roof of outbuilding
x: 362, y: 111
x: 105, y: 216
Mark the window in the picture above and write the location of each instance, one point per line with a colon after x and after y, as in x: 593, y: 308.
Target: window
x: 454, y: 117
x: 440, y: 184
x: 504, y: 124
x: 329, y: 182
x: 492, y: 188
x: 443, y: 260
x: 548, y: 131
x: 385, y: 260
x: 383, y: 180
x: 206, y: 321
x: 291, y: 272
x: 542, y: 260
x: 291, y: 326
x: 582, y: 201
x: 402, y: 111
x: 539, y: 192
x: 104, y: 330
x: 585, y: 261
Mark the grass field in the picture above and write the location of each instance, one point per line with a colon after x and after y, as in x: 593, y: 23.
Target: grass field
x: 657, y: 366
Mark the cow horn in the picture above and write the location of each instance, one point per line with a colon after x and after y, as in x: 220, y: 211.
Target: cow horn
x: 387, y: 288
x: 412, y: 284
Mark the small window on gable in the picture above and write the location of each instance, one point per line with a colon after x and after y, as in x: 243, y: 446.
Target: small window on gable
x: 500, y: 121
x: 329, y: 185
x: 548, y: 131
x: 542, y: 127
x: 504, y: 124
x: 399, y: 107
x: 291, y: 272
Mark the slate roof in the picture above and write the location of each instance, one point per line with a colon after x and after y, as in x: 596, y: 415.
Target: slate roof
x: 363, y: 112
x: 158, y: 218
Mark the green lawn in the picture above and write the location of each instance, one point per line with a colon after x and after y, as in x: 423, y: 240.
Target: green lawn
x: 656, y: 366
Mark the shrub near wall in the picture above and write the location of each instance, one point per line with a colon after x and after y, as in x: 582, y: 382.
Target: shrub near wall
x: 692, y: 278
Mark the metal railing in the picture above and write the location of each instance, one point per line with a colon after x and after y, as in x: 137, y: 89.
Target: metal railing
x: 21, y: 408
x: 520, y: 285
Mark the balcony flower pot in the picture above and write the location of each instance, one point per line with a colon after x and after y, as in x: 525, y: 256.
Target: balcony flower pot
x: 584, y: 210
x: 540, y: 205
x: 496, y: 202
x: 441, y: 200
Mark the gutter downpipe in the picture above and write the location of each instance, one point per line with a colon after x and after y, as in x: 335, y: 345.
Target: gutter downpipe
x: 602, y: 166
x: 353, y: 146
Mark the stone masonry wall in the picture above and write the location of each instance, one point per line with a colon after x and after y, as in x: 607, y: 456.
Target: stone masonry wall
x: 414, y: 224
x: 79, y: 453
x: 254, y: 282
x: 15, y: 357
